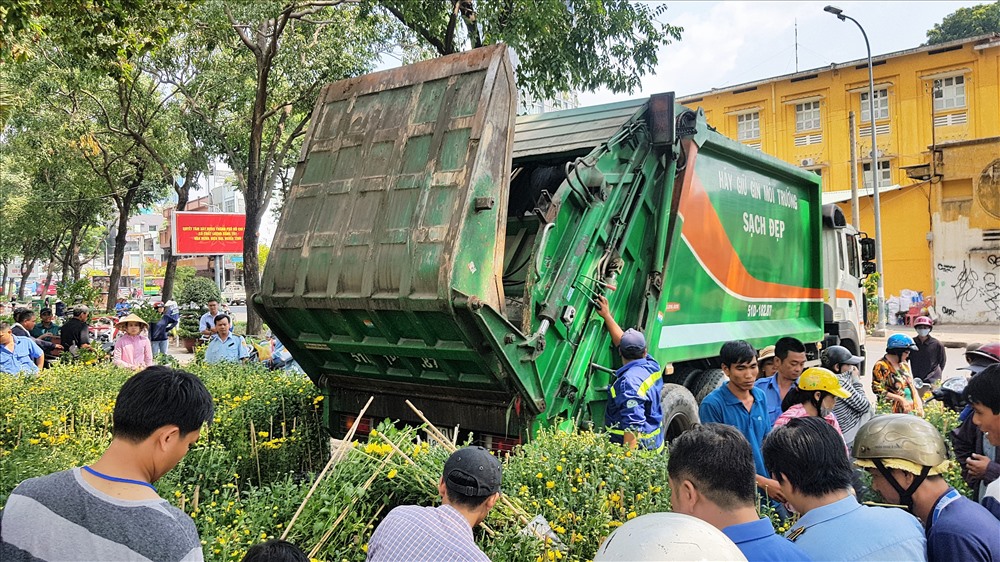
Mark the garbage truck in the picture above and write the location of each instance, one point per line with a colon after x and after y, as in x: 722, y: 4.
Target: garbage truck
x: 437, y: 249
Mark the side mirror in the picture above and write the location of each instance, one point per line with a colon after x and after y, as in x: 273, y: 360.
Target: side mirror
x: 868, y: 267
x: 867, y: 249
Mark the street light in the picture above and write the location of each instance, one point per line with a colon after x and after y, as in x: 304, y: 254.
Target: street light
x: 880, y: 325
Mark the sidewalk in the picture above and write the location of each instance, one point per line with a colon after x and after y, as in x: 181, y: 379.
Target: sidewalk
x: 952, y: 335
x: 179, y: 353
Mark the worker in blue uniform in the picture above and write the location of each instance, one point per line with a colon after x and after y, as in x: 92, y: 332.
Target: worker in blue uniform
x: 634, y: 415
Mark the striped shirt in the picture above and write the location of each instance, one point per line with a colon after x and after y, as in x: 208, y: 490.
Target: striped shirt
x: 62, y: 517
x: 414, y: 533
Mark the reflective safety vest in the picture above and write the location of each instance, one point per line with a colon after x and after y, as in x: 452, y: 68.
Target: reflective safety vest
x: 634, y: 403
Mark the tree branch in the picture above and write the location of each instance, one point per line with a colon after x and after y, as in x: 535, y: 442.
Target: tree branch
x: 442, y: 49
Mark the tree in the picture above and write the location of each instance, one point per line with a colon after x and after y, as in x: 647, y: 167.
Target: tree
x: 966, y: 22
x: 93, y: 32
x: 561, y: 45
x: 250, y: 72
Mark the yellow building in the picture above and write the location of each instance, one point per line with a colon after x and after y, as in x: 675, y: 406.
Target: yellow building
x: 940, y: 216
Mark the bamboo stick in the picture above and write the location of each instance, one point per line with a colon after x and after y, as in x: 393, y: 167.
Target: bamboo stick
x: 334, y: 459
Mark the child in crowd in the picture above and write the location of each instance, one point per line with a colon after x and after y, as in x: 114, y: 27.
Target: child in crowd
x: 132, y: 349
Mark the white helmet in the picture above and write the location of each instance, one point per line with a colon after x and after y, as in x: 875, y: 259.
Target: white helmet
x: 667, y: 536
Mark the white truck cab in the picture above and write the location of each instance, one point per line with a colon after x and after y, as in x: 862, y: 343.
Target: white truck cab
x: 847, y: 260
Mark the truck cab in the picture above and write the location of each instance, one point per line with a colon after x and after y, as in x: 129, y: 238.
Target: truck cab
x: 846, y: 263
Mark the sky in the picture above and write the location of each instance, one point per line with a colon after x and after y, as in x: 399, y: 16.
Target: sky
x: 733, y: 42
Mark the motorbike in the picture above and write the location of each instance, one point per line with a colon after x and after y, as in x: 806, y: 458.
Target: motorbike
x: 951, y: 392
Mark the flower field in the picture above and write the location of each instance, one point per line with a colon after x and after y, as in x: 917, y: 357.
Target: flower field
x: 251, y: 470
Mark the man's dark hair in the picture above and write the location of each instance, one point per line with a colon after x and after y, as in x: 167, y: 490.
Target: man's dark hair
x: 810, y: 455
x: 222, y: 317
x: 786, y: 345
x: 23, y: 315
x: 275, y: 550
x: 45, y: 312
x: 4, y: 326
x: 984, y: 388
x: 736, y: 352
x: 159, y: 396
x: 718, y: 460
x: 458, y: 498
x: 210, y: 301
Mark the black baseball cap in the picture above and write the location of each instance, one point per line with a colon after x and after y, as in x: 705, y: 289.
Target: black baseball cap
x: 472, y: 471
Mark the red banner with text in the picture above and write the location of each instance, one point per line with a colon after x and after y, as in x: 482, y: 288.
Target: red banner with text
x: 207, y: 234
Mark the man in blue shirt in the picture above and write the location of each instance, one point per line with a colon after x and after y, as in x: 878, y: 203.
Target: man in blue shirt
x: 807, y: 458
x: 790, y: 359
x: 18, y: 354
x: 224, y: 345
x: 711, y: 473
x: 739, y: 404
x: 634, y: 415
x: 206, y: 325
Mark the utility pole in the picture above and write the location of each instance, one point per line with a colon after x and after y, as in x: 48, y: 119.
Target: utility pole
x: 855, y: 205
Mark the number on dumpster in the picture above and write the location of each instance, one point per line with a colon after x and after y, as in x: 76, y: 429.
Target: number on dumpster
x: 429, y: 363
x: 362, y: 358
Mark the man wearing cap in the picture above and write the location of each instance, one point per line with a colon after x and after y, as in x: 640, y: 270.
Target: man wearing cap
x: 469, y: 488
x: 634, y: 415
x: 928, y: 360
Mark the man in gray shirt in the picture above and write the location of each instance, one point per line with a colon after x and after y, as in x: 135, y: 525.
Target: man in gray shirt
x: 110, y: 510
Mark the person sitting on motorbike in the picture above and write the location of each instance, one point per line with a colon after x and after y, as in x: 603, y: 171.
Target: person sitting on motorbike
x: 854, y: 411
x: 892, y: 380
x: 978, y: 458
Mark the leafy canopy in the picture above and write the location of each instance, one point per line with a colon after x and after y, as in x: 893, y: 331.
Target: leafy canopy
x: 966, y: 22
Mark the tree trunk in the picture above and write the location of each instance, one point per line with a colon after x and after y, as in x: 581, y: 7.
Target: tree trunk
x: 48, y: 281
x: 25, y: 273
x: 66, y: 260
x: 251, y: 266
x: 3, y: 280
x: 119, y: 257
x: 183, y: 192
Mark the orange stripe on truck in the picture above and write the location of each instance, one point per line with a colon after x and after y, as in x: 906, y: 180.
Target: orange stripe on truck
x: 707, y: 239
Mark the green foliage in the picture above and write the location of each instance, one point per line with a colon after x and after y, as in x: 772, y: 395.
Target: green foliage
x: 871, y: 300
x: 966, y: 22
x: 147, y: 313
x: 70, y: 291
x: 561, y: 46
x: 182, y: 275
x: 198, y: 290
x: 190, y: 317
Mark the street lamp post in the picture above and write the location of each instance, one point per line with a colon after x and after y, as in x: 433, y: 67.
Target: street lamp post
x: 880, y: 324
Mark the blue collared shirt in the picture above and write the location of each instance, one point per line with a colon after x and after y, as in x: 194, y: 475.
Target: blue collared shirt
x: 847, y: 530
x: 962, y: 530
x: 758, y: 541
x: 722, y: 406
x: 230, y: 350
x: 22, y: 359
x: 769, y: 386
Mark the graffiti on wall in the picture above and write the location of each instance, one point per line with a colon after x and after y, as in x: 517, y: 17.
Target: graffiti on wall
x: 970, y: 292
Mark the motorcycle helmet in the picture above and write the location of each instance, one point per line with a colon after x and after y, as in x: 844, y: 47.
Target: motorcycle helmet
x: 923, y: 321
x: 667, y: 536
x: 903, y: 442
x: 898, y: 343
x: 981, y: 357
x: 839, y: 355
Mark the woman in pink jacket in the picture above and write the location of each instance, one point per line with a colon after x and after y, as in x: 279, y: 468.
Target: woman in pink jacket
x: 132, y: 349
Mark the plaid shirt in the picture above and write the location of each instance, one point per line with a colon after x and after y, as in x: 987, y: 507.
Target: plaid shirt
x: 412, y: 533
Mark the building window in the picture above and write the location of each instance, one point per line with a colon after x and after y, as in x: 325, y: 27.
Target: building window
x: 807, y: 116
x: 148, y: 244
x: 748, y: 126
x: 884, y: 174
x: 881, y: 105
x: 949, y: 93
x: 152, y: 228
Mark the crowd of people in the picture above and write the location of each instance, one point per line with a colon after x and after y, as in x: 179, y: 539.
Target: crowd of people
x: 794, y: 441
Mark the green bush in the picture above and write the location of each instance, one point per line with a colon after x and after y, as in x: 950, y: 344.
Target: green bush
x: 188, y: 325
x: 70, y: 291
x: 198, y: 291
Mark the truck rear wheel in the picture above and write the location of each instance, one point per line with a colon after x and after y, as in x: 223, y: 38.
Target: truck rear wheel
x: 707, y: 382
x: 680, y: 410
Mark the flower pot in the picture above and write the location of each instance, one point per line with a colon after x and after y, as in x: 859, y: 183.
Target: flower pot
x: 190, y: 343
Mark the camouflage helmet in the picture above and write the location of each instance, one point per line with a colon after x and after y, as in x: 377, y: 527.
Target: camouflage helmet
x: 901, y: 441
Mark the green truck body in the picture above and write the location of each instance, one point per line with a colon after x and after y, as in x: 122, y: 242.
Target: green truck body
x: 434, y: 250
